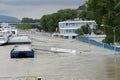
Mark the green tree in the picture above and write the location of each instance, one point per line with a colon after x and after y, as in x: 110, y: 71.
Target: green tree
x: 98, y: 30
x: 106, y: 12
x: 23, y: 26
x: 86, y: 29
x: 49, y: 22
x: 82, y: 7
x: 29, y: 20
x: 79, y: 31
x: 43, y: 23
x: 67, y: 14
x: 86, y: 15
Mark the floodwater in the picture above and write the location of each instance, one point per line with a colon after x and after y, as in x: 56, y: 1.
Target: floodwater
x: 112, y: 66
x: 62, y: 66
x: 96, y: 64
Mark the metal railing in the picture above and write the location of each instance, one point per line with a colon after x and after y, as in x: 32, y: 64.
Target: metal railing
x: 106, y: 46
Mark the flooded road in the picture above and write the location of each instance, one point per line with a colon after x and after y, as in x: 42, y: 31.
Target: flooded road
x: 64, y: 67
x: 113, y: 67
x: 96, y: 64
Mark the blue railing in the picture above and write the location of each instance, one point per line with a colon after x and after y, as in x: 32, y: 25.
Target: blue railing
x: 98, y: 43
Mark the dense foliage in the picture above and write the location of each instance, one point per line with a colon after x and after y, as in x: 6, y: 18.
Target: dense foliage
x: 23, y: 26
x: 82, y: 7
x: 49, y: 22
x: 107, y: 13
x: 85, y: 29
x: 29, y: 20
x: 79, y: 31
x: 34, y: 23
x: 86, y: 15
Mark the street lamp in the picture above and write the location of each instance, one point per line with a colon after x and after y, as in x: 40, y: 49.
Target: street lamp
x: 115, y: 47
x: 114, y: 36
x: 114, y: 39
x: 114, y: 29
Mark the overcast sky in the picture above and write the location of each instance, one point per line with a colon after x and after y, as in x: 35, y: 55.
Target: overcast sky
x: 35, y: 8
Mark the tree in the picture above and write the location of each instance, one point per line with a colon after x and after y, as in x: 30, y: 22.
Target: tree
x: 86, y: 29
x: 29, y: 20
x: 98, y: 30
x: 23, y: 26
x: 79, y: 31
x: 82, y: 7
x: 85, y: 15
x: 67, y: 14
x: 106, y: 12
x: 43, y: 22
x: 49, y: 23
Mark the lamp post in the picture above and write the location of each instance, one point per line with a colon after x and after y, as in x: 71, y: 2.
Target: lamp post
x: 114, y: 50
x: 114, y: 38
x: 89, y: 38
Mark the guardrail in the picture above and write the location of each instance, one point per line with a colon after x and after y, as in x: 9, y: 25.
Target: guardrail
x: 107, y: 46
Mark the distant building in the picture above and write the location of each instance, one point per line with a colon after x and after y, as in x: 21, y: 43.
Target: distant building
x: 67, y: 28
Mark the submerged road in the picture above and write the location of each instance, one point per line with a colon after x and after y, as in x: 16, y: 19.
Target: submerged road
x: 88, y: 63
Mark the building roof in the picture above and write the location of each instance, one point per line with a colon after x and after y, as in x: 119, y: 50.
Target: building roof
x: 74, y: 34
x: 90, y: 21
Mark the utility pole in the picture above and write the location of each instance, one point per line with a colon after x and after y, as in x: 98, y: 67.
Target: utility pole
x: 114, y: 38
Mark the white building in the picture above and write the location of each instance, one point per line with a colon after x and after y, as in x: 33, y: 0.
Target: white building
x: 67, y: 28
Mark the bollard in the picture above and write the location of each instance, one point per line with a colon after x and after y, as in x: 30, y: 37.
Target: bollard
x: 38, y: 78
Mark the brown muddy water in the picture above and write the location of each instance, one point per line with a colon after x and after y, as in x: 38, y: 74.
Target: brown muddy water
x: 98, y: 64
x: 112, y: 67
x: 59, y: 66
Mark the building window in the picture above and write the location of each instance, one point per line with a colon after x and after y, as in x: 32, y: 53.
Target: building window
x: 74, y: 30
x: 67, y: 30
x: 67, y: 24
x: 70, y: 31
x: 66, y: 37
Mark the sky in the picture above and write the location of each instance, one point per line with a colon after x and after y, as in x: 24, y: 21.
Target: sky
x: 36, y: 8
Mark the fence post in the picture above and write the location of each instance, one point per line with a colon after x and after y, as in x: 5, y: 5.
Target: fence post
x: 103, y: 45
